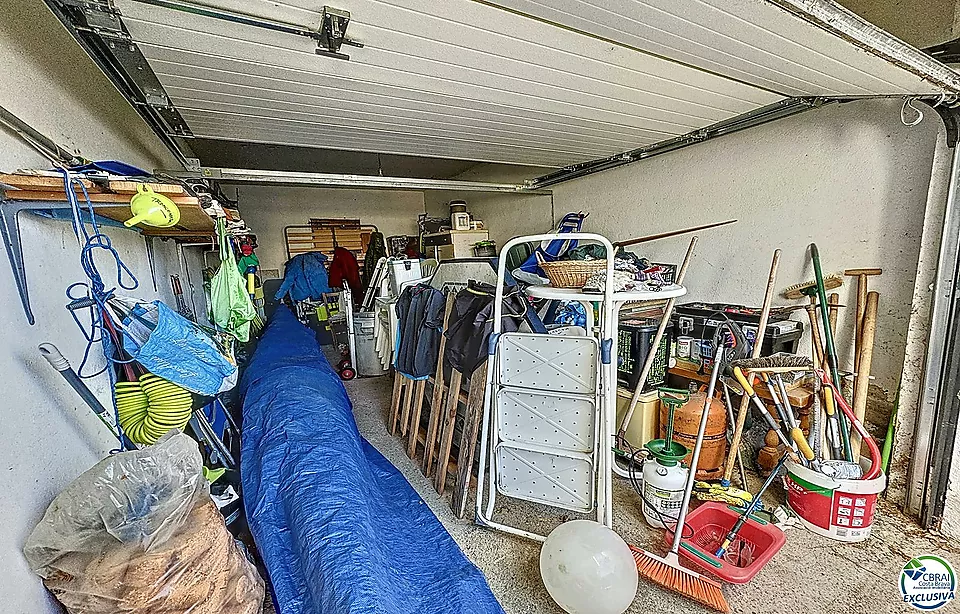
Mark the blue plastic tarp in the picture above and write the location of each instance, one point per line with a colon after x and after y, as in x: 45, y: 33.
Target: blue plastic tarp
x: 338, y: 527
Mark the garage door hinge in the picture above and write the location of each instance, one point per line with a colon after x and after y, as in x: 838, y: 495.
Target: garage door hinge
x: 332, y: 33
x: 99, y: 17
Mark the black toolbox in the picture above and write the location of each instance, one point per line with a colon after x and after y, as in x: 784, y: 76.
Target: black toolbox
x: 700, y: 321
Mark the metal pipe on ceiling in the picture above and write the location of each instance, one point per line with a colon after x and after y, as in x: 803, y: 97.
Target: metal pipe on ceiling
x: 779, y: 110
x: 338, y: 180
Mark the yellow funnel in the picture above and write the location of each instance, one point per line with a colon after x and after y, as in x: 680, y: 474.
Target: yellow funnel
x: 152, y: 209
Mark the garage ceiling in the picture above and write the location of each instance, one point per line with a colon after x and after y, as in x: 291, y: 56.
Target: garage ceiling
x: 536, y: 82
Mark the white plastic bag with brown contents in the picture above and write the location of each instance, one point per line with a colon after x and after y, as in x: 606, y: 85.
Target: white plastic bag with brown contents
x: 137, y: 534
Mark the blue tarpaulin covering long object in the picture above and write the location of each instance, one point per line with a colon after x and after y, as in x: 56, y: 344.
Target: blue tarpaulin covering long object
x: 339, y: 528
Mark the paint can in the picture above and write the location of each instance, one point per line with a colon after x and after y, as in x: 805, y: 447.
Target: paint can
x: 684, y: 345
x: 836, y: 508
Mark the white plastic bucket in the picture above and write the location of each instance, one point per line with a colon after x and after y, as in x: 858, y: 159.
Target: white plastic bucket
x: 839, y: 509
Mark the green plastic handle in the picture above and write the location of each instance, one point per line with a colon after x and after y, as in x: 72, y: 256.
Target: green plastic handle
x: 701, y: 555
x: 739, y: 511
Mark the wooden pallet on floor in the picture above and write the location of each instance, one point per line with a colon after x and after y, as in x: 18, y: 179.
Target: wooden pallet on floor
x: 468, y: 439
x: 407, y: 405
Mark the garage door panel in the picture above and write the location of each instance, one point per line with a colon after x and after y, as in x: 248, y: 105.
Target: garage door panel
x: 473, y: 34
x: 307, y: 120
x: 539, y: 82
x: 222, y: 98
x: 749, y: 40
x: 346, y: 93
x: 346, y: 139
x: 402, y: 71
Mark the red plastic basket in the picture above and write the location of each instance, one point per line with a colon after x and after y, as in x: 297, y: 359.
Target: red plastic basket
x: 755, y: 545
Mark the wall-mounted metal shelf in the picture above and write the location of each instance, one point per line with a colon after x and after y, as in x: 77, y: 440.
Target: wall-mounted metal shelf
x: 20, y: 193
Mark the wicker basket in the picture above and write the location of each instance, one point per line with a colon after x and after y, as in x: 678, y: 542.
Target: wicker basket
x: 570, y: 273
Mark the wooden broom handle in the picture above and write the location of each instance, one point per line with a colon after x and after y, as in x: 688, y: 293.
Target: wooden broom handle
x: 672, y: 233
x: 862, y: 383
x: 757, y: 348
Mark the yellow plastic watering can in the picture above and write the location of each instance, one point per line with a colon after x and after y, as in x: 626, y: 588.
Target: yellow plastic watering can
x: 152, y: 209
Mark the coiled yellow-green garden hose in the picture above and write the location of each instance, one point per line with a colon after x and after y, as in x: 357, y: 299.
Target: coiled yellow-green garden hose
x: 151, y: 407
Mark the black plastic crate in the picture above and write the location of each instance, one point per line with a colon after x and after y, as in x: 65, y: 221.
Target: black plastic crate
x: 634, y: 344
x: 700, y: 321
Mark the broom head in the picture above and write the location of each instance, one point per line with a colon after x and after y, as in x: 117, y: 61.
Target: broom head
x: 668, y: 573
x: 809, y: 288
x: 780, y: 360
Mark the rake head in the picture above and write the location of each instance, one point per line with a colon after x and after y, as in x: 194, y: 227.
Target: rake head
x: 809, y: 288
x: 668, y: 573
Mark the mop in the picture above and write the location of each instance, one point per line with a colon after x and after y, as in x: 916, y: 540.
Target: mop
x: 667, y: 571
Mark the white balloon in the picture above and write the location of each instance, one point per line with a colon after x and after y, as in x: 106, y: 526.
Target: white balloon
x: 588, y: 569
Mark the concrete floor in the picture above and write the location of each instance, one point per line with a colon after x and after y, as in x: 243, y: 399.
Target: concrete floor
x: 810, y: 574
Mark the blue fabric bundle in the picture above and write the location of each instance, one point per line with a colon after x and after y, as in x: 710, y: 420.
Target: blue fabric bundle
x: 339, y: 528
x: 305, y: 277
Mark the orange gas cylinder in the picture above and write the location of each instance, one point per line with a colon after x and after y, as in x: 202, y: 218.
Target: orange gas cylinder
x: 686, y: 421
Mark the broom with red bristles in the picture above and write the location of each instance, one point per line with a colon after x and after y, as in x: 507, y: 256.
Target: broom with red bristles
x: 667, y: 571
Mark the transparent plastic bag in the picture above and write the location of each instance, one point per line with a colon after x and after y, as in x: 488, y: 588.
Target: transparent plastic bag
x: 139, y: 533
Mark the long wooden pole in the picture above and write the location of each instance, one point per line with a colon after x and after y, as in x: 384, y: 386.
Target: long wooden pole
x: 861, y: 388
x: 657, y: 337
x: 671, y: 233
x: 757, y: 347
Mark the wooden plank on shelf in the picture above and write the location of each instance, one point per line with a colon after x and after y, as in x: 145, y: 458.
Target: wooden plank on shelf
x: 46, y: 183
x: 192, y: 217
x: 125, y: 186
x: 176, y: 233
x: 102, y: 197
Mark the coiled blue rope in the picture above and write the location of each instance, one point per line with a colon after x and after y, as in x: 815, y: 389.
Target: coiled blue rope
x: 93, y: 293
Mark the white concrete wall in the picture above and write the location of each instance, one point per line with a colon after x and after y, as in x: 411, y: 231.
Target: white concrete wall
x: 850, y: 177
x: 48, y: 436
x: 268, y: 210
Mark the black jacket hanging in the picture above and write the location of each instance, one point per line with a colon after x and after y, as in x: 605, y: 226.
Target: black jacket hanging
x: 471, y: 322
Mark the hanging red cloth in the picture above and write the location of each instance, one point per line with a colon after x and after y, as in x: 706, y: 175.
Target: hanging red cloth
x: 345, y: 268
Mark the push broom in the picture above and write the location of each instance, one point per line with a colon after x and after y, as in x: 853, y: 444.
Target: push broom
x: 667, y: 571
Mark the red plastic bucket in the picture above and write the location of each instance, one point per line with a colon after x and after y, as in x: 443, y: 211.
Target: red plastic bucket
x: 710, y: 523
x: 839, y: 509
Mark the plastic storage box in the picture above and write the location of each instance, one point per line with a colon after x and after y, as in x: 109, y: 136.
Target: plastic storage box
x: 635, y: 341
x: 700, y: 321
